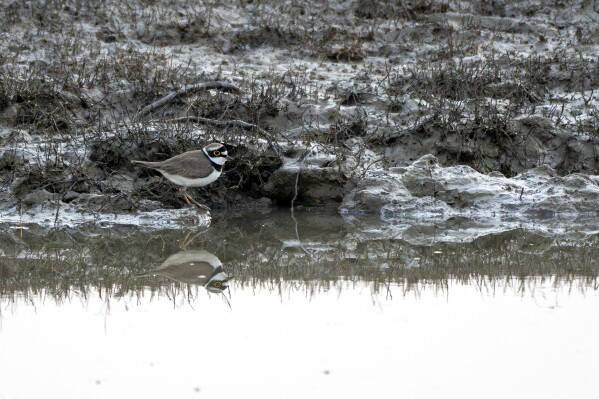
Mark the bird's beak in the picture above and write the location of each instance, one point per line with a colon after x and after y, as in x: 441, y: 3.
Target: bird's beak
x: 228, y: 158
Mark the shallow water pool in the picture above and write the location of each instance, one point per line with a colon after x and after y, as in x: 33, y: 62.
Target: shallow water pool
x: 312, y: 310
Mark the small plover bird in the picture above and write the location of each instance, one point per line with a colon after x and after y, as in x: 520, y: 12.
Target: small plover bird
x: 193, y: 168
x: 198, y: 267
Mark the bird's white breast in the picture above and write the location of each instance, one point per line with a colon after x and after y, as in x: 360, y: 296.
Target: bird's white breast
x: 187, y: 182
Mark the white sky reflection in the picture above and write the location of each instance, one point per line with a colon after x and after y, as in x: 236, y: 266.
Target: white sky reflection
x: 457, y: 344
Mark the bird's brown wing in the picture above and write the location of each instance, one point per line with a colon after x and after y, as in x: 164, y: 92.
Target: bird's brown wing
x: 192, y: 164
x: 194, y: 272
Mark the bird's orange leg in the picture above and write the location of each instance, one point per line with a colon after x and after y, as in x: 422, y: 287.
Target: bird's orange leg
x: 184, y: 194
x: 188, y: 199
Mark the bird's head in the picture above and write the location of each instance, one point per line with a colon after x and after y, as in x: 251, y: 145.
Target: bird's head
x: 217, y: 153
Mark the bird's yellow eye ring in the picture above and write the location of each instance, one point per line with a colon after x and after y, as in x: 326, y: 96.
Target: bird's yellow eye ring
x: 216, y: 153
x: 218, y: 284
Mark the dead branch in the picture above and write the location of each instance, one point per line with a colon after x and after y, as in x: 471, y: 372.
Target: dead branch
x: 223, y: 86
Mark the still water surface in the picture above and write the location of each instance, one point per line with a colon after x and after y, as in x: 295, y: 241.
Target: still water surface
x: 313, y: 309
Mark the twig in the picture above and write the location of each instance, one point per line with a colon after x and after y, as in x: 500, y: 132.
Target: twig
x: 301, y: 162
x: 223, y: 86
x: 299, y: 168
x: 21, y: 219
x: 226, y: 300
x: 57, y: 212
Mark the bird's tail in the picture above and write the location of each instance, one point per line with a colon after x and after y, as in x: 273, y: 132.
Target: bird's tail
x: 144, y: 163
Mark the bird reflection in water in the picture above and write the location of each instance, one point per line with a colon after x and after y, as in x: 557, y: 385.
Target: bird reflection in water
x: 197, y: 267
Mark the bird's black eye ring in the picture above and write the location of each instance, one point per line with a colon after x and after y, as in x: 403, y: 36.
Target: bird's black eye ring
x: 216, y: 153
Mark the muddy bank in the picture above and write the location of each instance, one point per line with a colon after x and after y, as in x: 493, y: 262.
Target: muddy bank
x: 320, y: 104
